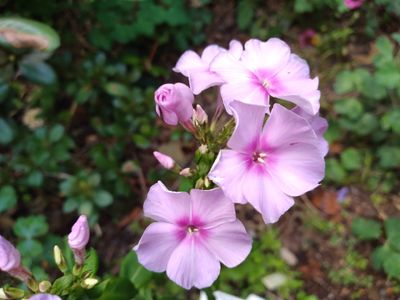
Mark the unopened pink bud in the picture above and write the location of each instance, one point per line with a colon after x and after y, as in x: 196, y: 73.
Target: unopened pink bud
x: 165, y: 160
x: 78, y: 238
x: 9, y: 256
x: 185, y: 172
x: 199, y: 115
x: 352, y: 4
x: 174, y: 103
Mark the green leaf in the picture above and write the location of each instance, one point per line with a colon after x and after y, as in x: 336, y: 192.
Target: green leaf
x: 56, y: 133
x: 351, y: 159
x: 118, y: 289
x: 366, y: 229
x: 91, y: 264
x: 38, y: 72
x: 117, y: 89
x: 134, y: 271
x: 6, y: 133
x: 391, y: 264
x: 389, y: 157
x: 394, y: 241
x: 62, y: 284
x: 35, y: 179
x: 30, y: 248
x: 390, y: 120
x: 31, y: 227
x: 8, y: 198
x: 25, y: 33
x: 103, y: 198
x: 392, y: 227
x: 378, y: 256
x: 245, y: 14
x: 350, y: 107
x: 335, y: 171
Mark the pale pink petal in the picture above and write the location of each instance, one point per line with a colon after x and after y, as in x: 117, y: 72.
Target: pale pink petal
x: 169, y: 117
x: 192, y: 264
x: 295, y: 68
x: 246, y: 92
x: 271, y: 55
x: 249, y: 120
x: 212, y: 207
x: 166, y: 206
x: 210, y: 52
x: 183, y: 108
x: 188, y: 61
x: 156, y: 245
x: 224, y: 296
x: 229, y: 242
x: 296, y: 168
x: 230, y: 69
x: 285, y: 127
x: 228, y: 171
x: 235, y: 49
x: 265, y: 196
x: 200, y: 80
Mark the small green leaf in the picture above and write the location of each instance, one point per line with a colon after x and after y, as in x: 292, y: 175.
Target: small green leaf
x: 6, y: 132
x: 25, y: 33
x: 103, y: 198
x: 8, y: 198
x: 391, y: 264
x: 38, y: 72
x: 91, y: 264
x: 366, y: 229
x: 245, y: 14
x: 134, y: 271
x: 56, y: 133
x: 117, y: 89
x: 62, y: 284
x: 118, y: 289
x: 349, y: 107
x: 30, y: 248
x: 31, y: 227
x: 351, y: 159
x: 392, y: 227
x: 378, y: 256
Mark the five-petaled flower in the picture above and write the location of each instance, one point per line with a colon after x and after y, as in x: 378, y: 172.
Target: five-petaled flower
x: 266, y: 69
x: 192, y: 234
x: 268, y: 165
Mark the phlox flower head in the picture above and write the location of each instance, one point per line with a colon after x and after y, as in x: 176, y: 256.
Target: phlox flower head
x: 266, y: 69
x: 174, y: 103
x: 353, y: 4
x: 197, y: 68
x: 44, y: 297
x: 192, y: 234
x: 268, y: 165
x: 10, y: 258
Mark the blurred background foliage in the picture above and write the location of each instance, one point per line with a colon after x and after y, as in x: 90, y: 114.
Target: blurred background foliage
x: 78, y: 126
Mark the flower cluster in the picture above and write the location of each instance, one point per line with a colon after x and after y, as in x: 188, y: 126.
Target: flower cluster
x: 10, y: 262
x: 265, y: 154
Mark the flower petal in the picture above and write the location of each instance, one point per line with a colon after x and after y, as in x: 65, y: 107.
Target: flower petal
x: 166, y: 206
x: 193, y: 265
x: 189, y: 60
x: 230, y: 69
x: 235, y: 49
x: 296, y: 168
x: 228, y: 171
x: 158, y: 242
x: 211, y: 207
x: 200, y: 80
x: 210, y: 52
x: 229, y: 242
x: 249, y: 120
x: 271, y: 55
x: 284, y: 127
x: 224, y: 296
x: 262, y: 192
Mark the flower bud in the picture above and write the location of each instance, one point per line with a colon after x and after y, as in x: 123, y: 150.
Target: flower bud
x: 199, y: 116
x: 9, y: 256
x: 3, y: 294
x: 13, y: 293
x: 59, y: 259
x: 44, y: 297
x: 78, y: 239
x: 185, y: 172
x: 174, y: 103
x: 89, y: 283
x: 165, y: 160
x: 44, y: 286
x: 203, y: 149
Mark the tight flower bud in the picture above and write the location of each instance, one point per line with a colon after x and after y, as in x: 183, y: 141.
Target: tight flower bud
x: 3, y: 294
x: 174, y: 103
x: 165, y: 160
x: 44, y: 286
x: 199, y: 116
x: 353, y: 4
x: 78, y: 239
x: 185, y: 172
x: 44, y: 297
x: 89, y: 283
x: 9, y: 256
x: 59, y: 259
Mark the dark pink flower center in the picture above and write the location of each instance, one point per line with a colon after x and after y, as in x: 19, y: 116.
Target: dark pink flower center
x: 192, y: 229
x: 259, y: 157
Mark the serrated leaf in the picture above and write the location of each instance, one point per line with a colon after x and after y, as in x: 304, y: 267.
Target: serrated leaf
x: 366, y: 229
x: 134, y: 271
x: 18, y: 32
x: 8, y: 198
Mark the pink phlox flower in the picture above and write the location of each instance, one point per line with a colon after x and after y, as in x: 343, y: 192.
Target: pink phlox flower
x: 319, y: 125
x: 44, y: 297
x: 10, y: 258
x: 197, y: 68
x: 192, y: 234
x: 266, y: 69
x: 174, y: 103
x: 79, y: 238
x: 352, y: 4
x: 268, y: 165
